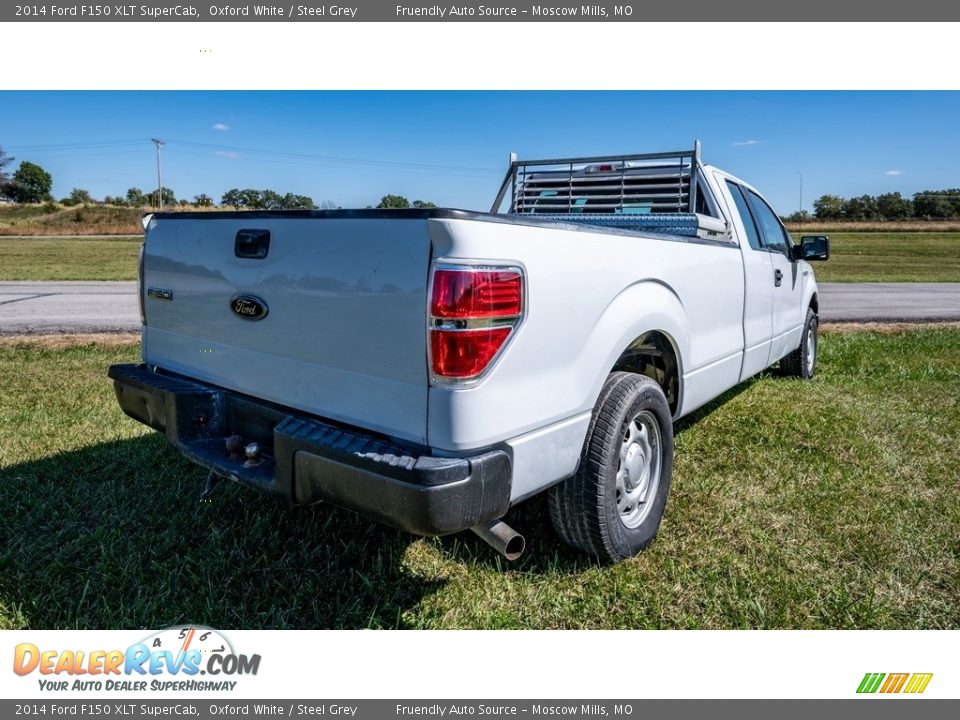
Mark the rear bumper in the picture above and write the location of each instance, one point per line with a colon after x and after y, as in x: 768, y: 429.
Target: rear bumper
x: 306, y: 459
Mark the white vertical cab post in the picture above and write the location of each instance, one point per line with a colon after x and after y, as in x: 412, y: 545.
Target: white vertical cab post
x: 757, y: 278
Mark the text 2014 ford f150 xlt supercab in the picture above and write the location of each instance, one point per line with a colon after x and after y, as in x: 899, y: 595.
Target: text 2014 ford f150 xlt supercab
x: 432, y: 368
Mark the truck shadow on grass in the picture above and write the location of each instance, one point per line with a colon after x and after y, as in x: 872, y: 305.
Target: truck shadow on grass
x: 113, y: 536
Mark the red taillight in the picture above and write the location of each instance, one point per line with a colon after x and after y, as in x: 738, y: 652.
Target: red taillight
x: 472, y: 313
x: 465, y: 353
x: 476, y: 294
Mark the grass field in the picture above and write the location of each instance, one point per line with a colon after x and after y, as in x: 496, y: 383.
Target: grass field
x: 102, y: 258
x: 891, y: 257
x: 856, y: 257
x: 830, y: 504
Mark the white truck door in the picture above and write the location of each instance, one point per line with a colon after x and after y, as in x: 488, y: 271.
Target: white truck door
x: 787, y: 280
x: 758, y: 281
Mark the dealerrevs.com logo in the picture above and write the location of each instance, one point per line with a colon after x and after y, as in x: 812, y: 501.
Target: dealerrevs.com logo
x: 892, y: 683
x: 172, y: 659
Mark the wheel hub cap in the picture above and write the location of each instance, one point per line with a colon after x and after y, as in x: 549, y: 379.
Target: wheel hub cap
x: 634, y: 467
x: 638, y: 470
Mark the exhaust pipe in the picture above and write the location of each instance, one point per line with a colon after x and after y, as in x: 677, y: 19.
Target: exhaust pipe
x: 502, y: 538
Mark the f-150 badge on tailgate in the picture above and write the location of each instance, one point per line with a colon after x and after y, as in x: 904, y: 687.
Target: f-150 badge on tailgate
x: 249, y: 307
x: 160, y: 293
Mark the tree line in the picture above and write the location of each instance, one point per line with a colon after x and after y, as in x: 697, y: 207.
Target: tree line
x: 32, y: 184
x: 924, y: 205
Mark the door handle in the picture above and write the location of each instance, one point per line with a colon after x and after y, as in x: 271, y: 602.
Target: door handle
x: 777, y: 277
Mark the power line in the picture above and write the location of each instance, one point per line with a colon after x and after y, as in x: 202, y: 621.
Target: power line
x: 170, y: 151
x: 44, y: 156
x: 76, y: 145
x: 336, y: 158
x: 314, y: 157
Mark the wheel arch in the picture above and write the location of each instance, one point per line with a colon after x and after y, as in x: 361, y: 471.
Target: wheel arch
x: 645, y: 329
x: 654, y: 354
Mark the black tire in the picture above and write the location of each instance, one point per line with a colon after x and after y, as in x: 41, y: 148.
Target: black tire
x: 584, y: 508
x: 802, y: 362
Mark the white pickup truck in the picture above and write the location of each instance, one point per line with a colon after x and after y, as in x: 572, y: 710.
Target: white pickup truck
x: 432, y: 368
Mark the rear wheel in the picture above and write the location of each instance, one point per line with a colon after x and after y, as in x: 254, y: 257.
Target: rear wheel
x: 612, y: 507
x: 802, y: 362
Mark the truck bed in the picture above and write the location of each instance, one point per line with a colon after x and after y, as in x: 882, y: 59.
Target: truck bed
x: 346, y: 334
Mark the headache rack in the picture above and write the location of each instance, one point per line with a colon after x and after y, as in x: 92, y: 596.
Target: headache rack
x: 662, y: 192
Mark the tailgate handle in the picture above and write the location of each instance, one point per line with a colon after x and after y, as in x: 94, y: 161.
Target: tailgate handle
x: 252, y: 244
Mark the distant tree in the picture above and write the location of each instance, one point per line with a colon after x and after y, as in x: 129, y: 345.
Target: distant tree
x: 800, y: 216
x: 291, y: 201
x: 828, y: 207
x: 393, y: 202
x: 30, y: 184
x: 79, y: 196
x: 251, y: 198
x: 168, y: 195
x: 893, y: 206
x: 422, y: 204
x: 329, y: 205
x: 933, y: 205
x: 953, y: 196
x: 232, y: 198
x: 268, y: 200
x: 203, y: 200
x: 136, y: 197
x: 4, y: 177
x: 861, y: 208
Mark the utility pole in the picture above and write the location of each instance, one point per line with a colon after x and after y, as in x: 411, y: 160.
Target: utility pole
x: 800, y: 216
x: 159, y: 143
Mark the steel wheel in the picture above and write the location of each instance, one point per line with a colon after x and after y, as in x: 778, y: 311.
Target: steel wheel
x: 811, y: 349
x: 802, y: 362
x: 638, y: 472
x: 612, y: 506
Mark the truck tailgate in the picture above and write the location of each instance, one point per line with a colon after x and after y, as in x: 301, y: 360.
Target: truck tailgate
x: 344, y: 336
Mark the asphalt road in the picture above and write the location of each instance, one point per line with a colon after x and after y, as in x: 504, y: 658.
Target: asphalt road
x: 68, y: 307
x: 889, y: 302
x: 83, y: 307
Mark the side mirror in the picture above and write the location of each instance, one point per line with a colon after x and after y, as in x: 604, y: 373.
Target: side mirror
x: 813, y: 247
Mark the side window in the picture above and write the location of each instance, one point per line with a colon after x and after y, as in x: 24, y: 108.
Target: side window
x: 774, y: 236
x: 703, y: 205
x: 753, y: 237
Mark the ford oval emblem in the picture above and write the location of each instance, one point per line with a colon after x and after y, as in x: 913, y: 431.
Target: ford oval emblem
x: 248, y: 307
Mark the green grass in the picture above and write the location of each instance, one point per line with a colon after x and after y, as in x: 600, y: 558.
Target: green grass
x: 102, y: 258
x: 830, y: 504
x: 891, y: 257
x: 855, y: 257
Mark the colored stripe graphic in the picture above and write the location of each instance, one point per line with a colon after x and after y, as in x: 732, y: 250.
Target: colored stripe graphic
x: 870, y: 682
x: 918, y: 682
x: 894, y: 683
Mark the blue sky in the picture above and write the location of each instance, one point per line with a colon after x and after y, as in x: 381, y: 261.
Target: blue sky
x: 452, y: 147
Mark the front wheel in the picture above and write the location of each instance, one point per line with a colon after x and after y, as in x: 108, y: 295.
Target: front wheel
x: 802, y: 362
x: 612, y: 507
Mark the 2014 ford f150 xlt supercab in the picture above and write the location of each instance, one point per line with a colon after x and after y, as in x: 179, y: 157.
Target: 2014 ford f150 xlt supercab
x: 432, y: 368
